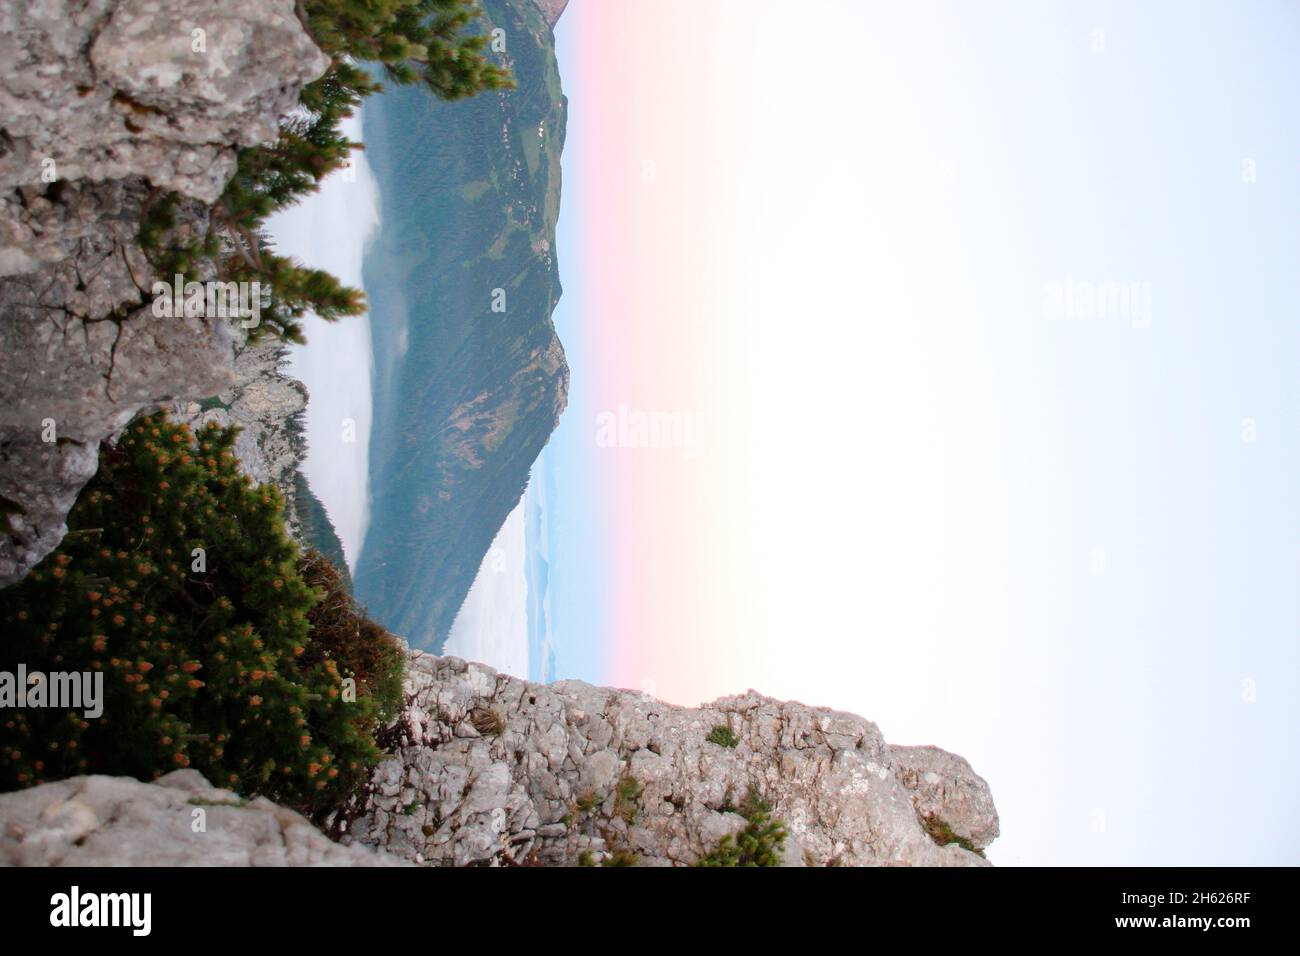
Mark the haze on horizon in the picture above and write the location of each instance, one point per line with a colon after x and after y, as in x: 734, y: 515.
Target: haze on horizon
x: 1058, y: 541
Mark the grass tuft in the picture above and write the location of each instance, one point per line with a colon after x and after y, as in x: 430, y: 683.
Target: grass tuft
x: 938, y: 830
x: 722, y: 736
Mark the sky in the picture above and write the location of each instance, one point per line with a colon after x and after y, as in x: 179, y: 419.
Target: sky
x: 492, y: 624
x: 934, y: 363
x: 972, y: 332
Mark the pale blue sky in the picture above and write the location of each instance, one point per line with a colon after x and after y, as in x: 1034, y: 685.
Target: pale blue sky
x: 1104, y: 614
x: 1135, y: 560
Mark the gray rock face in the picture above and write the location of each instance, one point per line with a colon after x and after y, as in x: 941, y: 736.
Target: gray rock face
x: 945, y: 787
x: 163, y: 89
x: 179, y: 821
x: 265, y: 403
x: 117, y: 101
x: 83, y: 353
x: 489, y: 769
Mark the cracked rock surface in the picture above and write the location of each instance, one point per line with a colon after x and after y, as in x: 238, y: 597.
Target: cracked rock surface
x: 488, y: 769
x: 106, y: 106
x: 181, y: 820
x: 164, y: 89
x: 83, y: 354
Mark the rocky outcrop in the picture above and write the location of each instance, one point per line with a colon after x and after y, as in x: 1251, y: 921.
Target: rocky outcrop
x: 266, y: 403
x: 944, y: 788
x: 487, y: 769
x: 83, y: 353
x: 181, y: 820
x: 107, y: 104
x: 167, y: 90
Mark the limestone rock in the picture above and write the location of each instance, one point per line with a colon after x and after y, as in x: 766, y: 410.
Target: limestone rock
x: 167, y: 90
x: 489, y: 769
x: 266, y: 403
x: 107, y: 105
x: 83, y: 353
x: 486, y: 769
x: 943, y: 785
x: 118, y: 821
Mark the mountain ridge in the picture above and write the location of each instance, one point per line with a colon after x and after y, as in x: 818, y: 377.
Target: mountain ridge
x: 470, y: 375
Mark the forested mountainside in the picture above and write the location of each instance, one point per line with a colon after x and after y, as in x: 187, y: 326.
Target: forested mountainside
x: 470, y: 378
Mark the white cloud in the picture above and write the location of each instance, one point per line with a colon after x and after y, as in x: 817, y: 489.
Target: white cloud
x: 329, y: 230
x: 492, y: 626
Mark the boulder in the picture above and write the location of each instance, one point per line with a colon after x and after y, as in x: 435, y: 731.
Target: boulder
x: 181, y: 820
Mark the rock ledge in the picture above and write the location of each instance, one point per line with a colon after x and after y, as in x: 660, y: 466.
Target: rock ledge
x: 118, y: 821
x: 488, y: 769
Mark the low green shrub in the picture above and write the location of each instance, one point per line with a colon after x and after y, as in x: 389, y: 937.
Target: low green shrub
x: 759, y: 844
x: 340, y: 631
x: 722, y: 736
x: 626, y: 799
x: 941, y: 833
x: 177, y: 583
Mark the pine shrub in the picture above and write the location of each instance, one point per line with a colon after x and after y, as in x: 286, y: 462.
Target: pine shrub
x: 759, y: 844
x: 409, y: 42
x: 340, y: 631
x: 177, y: 582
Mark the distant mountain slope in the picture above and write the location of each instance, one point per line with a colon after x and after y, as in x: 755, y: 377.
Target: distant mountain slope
x: 465, y: 396
x: 317, y: 531
x: 551, y: 9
